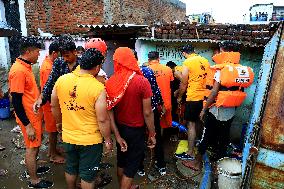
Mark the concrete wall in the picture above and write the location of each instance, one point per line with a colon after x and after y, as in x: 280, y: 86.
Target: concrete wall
x: 5, y: 53
x: 169, y: 51
x: 147, y: 11
x: 23, y: 18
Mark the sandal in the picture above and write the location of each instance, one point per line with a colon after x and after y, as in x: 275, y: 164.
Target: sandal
x: 41, y: 184
x: 190, y: 166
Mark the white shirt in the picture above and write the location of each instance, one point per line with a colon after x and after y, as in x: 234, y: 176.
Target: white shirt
x: 221, y: 113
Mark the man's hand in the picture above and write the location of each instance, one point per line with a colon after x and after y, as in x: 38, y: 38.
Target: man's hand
x: 179, y: 99
x: 176, y: 93
x: 37, y: 105
x: 163, y: 111
x: 109, y: 146
x: 59, y: 127
x: 122, y: 143
x: 30, y: 132
x: 201, y: 115
x: 151, y: 142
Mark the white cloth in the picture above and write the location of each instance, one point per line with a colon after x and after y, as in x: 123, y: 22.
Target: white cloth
x: 102, y: 73
x: 221, y: 113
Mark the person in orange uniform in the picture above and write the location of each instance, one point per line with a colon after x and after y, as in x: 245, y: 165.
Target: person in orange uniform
x: 24, y: 92
x: 164, y: 76
x: 79, y: 106
x: 50, y: 125
x: 194, y: 73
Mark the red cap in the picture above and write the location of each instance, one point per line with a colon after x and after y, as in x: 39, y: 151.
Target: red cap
x: 98, y: 44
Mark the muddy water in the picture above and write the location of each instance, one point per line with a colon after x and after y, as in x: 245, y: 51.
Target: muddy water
x: 10, y: 160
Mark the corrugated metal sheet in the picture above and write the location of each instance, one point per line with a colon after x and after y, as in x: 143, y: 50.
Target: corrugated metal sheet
x: 252, y: 135
x: 110, y: 26
x: 76, y: 38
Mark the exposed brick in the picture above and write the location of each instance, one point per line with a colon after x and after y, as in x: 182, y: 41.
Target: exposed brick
x: 94, y: 12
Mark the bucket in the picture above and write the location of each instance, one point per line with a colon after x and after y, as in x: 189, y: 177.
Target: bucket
x: 4, y: 108
x: 229, y: 173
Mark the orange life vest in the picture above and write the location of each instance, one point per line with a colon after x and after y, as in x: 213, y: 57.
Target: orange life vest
x: 233, y: 78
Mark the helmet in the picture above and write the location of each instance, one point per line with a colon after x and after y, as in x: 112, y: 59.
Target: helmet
x: 96, y: 43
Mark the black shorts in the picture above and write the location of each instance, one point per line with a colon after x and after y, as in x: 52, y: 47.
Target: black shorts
x: 131, y: 159
x: 83, y: 160
x: 192, y: 110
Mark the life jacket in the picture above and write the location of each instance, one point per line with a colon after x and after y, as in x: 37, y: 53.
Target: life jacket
x: 233, y: 79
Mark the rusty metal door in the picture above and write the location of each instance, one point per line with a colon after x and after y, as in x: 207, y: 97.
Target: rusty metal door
x: 255, y: 137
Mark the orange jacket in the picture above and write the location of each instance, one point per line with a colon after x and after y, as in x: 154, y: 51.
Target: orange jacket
x: 233, y: 78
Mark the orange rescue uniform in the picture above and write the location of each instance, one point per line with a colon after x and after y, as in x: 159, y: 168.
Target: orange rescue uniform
x: 164, y: 76
x: 21, y: 80
x: 45, y: 69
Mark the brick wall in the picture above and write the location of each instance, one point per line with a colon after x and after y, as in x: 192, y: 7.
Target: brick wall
x: 63, y: 16
x: 253, y: 35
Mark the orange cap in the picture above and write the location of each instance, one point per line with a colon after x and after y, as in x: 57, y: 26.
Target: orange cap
x: 98, y: 44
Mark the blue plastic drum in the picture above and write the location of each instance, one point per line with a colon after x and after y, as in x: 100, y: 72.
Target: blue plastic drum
x: 4, y: 108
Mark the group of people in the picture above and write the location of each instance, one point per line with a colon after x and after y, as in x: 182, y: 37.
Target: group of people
x: 79, y: 101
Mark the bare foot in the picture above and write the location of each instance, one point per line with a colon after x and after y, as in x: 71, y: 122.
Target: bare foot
x: 57, y: 159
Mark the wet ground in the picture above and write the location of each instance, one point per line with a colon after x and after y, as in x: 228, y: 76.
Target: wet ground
x: 10, y: 161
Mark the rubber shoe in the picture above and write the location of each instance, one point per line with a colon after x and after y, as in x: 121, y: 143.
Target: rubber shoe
x: 141, y: 173
x: 184, y: 156
x: 41, y: 184
x: 162, y: 170
x: 42, y: 170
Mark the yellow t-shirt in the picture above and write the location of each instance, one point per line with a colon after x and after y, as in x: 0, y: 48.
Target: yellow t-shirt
x: 77, y: 94
x: 198, y: 67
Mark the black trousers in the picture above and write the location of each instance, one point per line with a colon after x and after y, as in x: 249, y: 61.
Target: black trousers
x: 159, y: 149
x: 217, y: 134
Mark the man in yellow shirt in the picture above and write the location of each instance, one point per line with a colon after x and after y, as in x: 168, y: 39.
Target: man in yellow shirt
x: 81, y: 100
x: 194, y: 73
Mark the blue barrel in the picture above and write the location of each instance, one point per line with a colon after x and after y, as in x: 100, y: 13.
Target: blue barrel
x: 4, y: 108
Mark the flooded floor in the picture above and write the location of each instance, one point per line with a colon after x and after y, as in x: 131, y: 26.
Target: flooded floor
x: 11, y: 157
